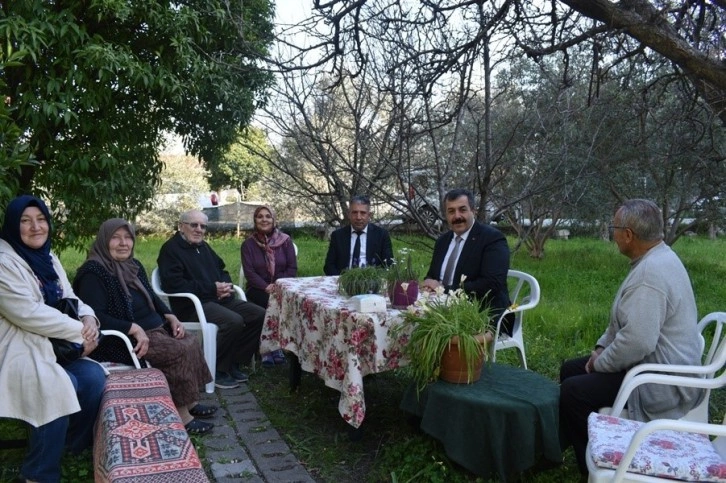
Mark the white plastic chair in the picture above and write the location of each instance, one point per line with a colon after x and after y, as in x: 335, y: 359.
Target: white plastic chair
x: 127, y: 343
x: 208, y: 330
x: 678, y: 375
x: 524, y: 296
x: 675, y: 453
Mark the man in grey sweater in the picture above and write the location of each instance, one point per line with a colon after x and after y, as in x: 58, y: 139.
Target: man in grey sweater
x: 653, y: 320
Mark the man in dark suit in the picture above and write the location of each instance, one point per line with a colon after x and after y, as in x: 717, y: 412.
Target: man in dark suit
x: 361, y: 243
x: 473, y: 250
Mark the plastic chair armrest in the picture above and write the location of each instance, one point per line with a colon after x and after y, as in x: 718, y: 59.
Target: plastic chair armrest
x: 670, y: 380
x: 127, y: 343
x: 195, y: 300
x: 240, y: 293
x: 669, y: 368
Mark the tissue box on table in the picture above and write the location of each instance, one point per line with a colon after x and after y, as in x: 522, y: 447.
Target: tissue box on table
x: 368, y: 303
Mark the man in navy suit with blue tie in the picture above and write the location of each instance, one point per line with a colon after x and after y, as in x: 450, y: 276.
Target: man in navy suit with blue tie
x: 472, y: 249
x: 361, y: 243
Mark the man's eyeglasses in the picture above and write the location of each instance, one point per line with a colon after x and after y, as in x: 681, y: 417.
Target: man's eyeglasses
x: 195, y: 225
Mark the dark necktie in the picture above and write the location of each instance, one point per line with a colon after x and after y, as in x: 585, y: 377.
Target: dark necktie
x: 451, y: 263
x: 355, y: 261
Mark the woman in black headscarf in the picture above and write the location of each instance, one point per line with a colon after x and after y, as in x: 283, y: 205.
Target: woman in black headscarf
x: 59, y: 402
x: 115, y: 284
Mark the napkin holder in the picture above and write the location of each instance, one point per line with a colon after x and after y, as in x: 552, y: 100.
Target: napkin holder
x: 368, y: 303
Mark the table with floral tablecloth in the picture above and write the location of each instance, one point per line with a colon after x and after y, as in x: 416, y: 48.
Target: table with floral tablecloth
x: 308, y: 317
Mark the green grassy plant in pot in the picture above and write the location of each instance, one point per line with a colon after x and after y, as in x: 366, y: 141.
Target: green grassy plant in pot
x: 361, y: 280
x: 448, y: 338
x: 402, y: 279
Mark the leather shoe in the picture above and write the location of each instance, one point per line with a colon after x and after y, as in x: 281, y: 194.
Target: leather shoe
x: 223, y: 380
x: 238, y: 375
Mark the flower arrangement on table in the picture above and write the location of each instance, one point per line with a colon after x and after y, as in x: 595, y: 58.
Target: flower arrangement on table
x: 441, y: 322
x: 402, y: 280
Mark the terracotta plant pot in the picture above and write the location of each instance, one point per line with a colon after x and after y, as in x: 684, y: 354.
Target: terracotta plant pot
x: 400, y: 299
x: 453, y: 366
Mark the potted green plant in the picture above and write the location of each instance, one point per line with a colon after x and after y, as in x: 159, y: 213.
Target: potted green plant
x: 446, y: 329
x: 402, y: 280
x: 361, y: 280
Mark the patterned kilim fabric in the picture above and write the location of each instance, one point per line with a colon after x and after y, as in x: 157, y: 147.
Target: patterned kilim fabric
x: 139, y: 436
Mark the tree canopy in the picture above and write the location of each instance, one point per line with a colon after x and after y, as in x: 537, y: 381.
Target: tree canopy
x: 549, y: 111
x: 240, y: 166
x: 687, y: 33
x: 90, y: 88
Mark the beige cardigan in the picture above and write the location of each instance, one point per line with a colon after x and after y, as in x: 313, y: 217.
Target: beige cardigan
x: 32, y: 386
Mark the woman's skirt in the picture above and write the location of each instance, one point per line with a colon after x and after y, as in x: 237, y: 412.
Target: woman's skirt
x: 181, y: 361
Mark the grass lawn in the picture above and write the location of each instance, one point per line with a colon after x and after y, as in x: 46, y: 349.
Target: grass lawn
x: 578, y: 278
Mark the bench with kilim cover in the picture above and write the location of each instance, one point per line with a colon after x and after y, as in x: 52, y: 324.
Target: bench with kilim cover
x: 139, y: 436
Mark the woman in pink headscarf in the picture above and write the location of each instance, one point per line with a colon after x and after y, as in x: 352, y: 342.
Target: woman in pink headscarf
x: 268, y: 254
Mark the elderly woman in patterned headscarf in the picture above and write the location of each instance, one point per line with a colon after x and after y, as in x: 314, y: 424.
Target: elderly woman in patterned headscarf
x: 268, y: 254
x: 58, y: 399
x: 115, y: 284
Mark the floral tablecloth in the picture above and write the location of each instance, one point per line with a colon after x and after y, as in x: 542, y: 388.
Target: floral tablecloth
x: 308, y: 317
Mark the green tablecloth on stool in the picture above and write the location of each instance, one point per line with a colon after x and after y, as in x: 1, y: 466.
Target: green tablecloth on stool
x: 502, y: 424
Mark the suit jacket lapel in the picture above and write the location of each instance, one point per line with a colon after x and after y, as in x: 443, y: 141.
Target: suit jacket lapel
x: 370, y: 243
x: 346, y: 245
x: 469, y: 246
